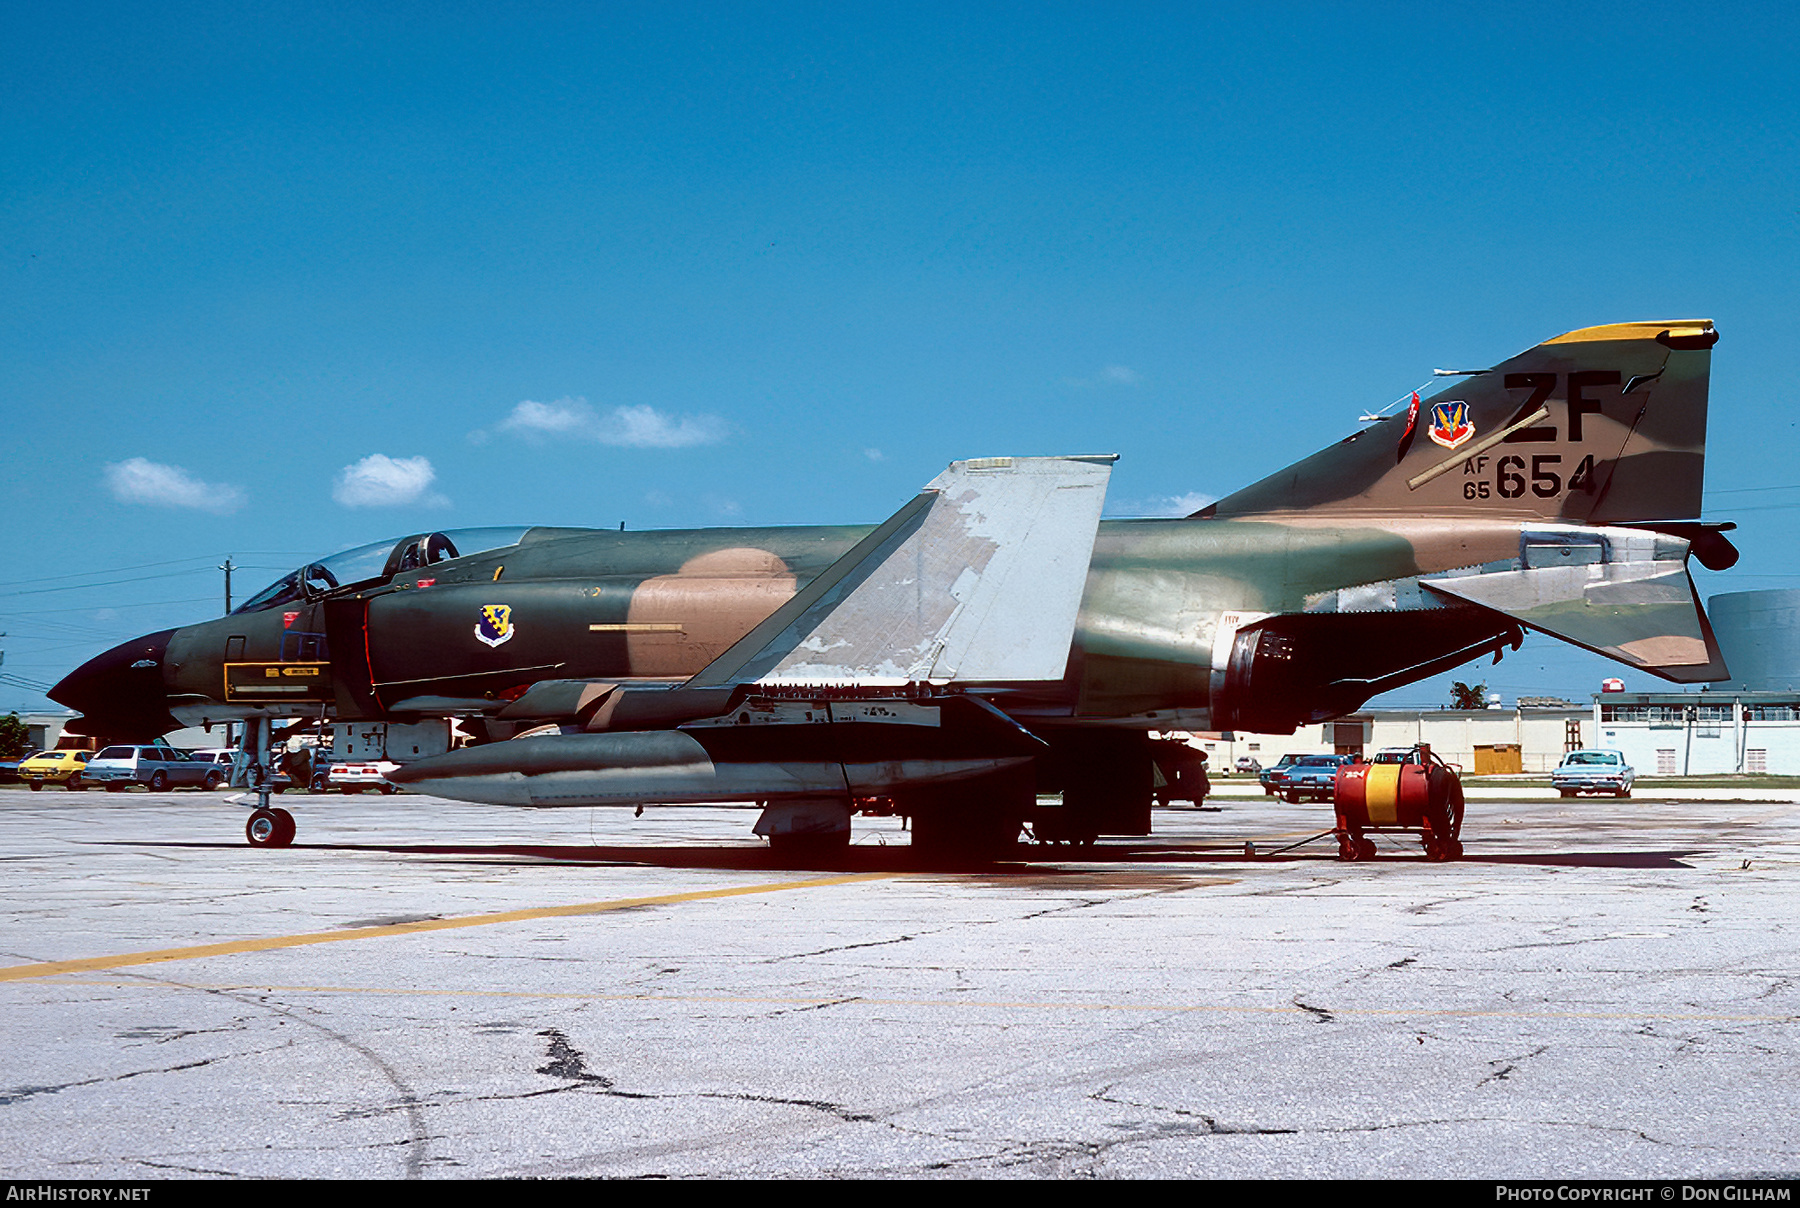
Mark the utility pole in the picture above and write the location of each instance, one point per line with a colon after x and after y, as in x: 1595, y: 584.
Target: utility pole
x: 230, y: 730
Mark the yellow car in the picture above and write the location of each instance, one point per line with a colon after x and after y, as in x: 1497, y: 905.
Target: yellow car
x: 56, y: 767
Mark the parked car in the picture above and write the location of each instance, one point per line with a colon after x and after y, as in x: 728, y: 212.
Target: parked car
x: 1271, y: 778
x: 222, y: 757
x: 54, y: 767
x: 1394, y: 755
x: 1248, y: 763
x: 9, y: 768
x: 156, y: 768
x: 355, y: 776
x: 1593, y: 772
x: 1312, y: 778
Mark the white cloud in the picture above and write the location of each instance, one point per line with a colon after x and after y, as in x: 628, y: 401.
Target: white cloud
x: 874, y: 454
x: 382, y: 481
x: 1110, y: 375
x: 141, y: 481
x: 1161, y: 505
x: 639, y: 427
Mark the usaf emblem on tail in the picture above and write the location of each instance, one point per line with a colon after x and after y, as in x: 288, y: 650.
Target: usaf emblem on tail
x: 495, y: 626
x: 1450, y: 424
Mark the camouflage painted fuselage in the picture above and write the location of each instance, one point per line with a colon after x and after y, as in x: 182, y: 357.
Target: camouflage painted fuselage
x: 618, y: 607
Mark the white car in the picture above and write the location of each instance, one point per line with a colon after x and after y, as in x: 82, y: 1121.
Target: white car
x: 357, y: 775
x: 1593, y: 772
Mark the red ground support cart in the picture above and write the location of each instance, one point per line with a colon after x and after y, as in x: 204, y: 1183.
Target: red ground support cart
x: 1403, y: 790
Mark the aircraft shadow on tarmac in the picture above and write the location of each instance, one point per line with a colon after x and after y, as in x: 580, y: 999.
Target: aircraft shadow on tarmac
x: 1035, y: 860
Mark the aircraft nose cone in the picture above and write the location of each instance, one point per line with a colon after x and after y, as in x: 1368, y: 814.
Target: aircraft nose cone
x: 120, y: 693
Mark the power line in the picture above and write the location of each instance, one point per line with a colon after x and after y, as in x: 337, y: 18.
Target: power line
x: 82, y: 574
x: 1795, y: 486
x: 44, y: 591
x: 40, y: 612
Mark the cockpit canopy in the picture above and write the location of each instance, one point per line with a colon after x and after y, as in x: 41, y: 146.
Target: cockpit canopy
x: 369, y: 565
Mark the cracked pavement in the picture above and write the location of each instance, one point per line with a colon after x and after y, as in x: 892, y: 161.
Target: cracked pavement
x: 1601, y: 990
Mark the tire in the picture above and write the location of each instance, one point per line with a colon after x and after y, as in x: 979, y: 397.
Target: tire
x: 320, y: 784
x: 1624, y: 793
x: 74, y: 783
x: 37, y: 785
x: 214, y: 782
x: 285, y: 828
x: 388, y: 790
x: 1566, y: 793
x: 1293, y: 798
x: 115, y: 787
x: 159, y: 781
x: 263, y: 829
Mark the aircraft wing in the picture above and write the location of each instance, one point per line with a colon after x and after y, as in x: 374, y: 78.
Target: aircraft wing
x: 979, y: 578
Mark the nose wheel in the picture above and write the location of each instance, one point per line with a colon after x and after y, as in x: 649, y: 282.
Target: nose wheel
x: 270, y: 828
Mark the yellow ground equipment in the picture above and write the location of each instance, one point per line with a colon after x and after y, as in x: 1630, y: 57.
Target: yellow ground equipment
x: 1411, y: 790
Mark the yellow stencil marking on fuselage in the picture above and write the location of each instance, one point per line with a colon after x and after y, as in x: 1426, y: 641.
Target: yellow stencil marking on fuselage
x: 237, y: 947
x: 1381, y: 793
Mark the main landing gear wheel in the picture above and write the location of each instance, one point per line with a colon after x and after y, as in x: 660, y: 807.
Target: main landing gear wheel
x: 270, y: 828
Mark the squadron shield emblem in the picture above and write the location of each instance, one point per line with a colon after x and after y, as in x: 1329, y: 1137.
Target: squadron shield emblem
x: 1450, y: 424
x: 495, y: 626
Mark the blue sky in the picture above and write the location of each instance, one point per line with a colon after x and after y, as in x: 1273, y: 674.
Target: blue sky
x: 278, y: 280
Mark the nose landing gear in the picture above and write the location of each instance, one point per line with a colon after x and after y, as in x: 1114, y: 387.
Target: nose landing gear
x: 267, y: 827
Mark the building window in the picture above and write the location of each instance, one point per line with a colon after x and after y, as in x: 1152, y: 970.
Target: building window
x: 1756, y: 759
x: 1665, y: 762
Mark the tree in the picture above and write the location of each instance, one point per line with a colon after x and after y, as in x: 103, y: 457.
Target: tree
x: 1466, y: 696
x: 15, y: 739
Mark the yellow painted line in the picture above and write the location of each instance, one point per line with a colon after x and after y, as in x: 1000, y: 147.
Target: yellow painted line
x: 237, y: 947
x: 852, y: 999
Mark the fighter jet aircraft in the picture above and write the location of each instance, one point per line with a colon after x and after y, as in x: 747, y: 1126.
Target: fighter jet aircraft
x: 992, y: 638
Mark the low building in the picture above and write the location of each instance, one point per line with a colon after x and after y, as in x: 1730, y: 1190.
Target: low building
x: 1702, y: 733
x: 1532, y: 737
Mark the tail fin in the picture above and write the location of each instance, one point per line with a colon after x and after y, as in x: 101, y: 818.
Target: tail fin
x: 1606, y: 425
